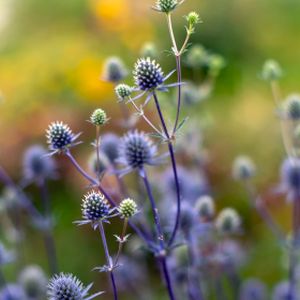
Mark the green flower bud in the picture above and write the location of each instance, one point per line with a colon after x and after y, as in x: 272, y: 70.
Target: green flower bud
x: 271, y: 70
x: 98, y: 117
x: 215, y: 64
x: 197, y: 57
x: 193, y: 19
x: 127, y: 208
x: 166, y: 6
x: 123, y: 91
x: 149, y: 50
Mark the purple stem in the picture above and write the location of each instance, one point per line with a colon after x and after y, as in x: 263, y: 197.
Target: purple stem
x: 179, y: 78
x: 108, y: 260
x: 141, y: 233
x: 158, y: 228
x: 174, y: 167
x: 48, y: 237
x: 167, y: 278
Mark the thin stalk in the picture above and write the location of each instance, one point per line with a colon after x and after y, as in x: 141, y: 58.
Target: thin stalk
x: 167, y: 278
x: 108, y: 260
x: 179, y: 78
x: 121, y: 243
x: 141, y: 233
x: 263, y: 212
x: 48, y: 237
x: 97, y: 151
x: 171, y: 31
x: 155, y: 214
x: 174, y: 167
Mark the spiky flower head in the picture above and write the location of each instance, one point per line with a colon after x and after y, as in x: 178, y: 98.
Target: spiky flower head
x: 149, y: 50
x: 243, y: 168
x: 166, y: 6
x: 228, y: 221
x: 98, y: 117
x: 67, y: 287
x: 60, y: 136
x: 34, y: 282
x: 12, y: 292
x: 94, y: 206
x: 136, y: 150
x: 291, y: 107
x: 193, y: 19
x: 127, y: 208
x: 36, y: 165
x: 271, y: 70
x: 205, y: 207
x: 114, y: 69
x: 147, y: 74
x: 123, y: 91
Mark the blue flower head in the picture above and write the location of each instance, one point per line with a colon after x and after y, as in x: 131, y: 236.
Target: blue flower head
x: 68, y: 287
x: 290, y: 177
x: 282, y: 291
x: 110, y: 146
x: 136, y: 150
x: 253, y: 289
x: 60, y: 137
x: 36, y: 165
x: 12, y: 292
x: 114, y: 70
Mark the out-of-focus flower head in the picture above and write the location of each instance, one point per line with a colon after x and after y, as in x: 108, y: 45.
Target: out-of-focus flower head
x: 253, y: 289
x: 9, y: 199
x: 196, y: 57
x: 12, y: 291
x: 188, y: 216
x: 291, y: 108
x: 34, y: 282
x: 114, y: 70
x: 136, y: 150
x: 243, y: 168
x: 290, y: 177
x: 282, y: 291
x: 228, y: 221
x: 67, y: 286
x: 100, y: 168
x: 215, y: 64
x: 205, y: 207
x: 149, y: 50
x: 110, y: 144
x: 60, y: 137
x: 37, y: 165
x: 271, y: 70
x: 6, y: 256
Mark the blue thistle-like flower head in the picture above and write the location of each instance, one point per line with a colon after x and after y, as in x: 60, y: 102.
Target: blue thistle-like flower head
x: 12, y: 292
x: 60, y: 137
x: 228, y: 221
x: 34, y: 282
x: 166, y: 6
x: 67, y: 287
x: 114, y: 70
x: 243, y: 168
x: 137, y: 150
x: 282, y: 291
x: 205, y: 207
x: 290, y: 176
x: 291, y: 107
x: 36, y: 165
x: 147, y: 74
x: 95, y: 206
x: 253, y: 289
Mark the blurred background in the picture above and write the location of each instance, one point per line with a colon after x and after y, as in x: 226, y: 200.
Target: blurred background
x: 51, y: 60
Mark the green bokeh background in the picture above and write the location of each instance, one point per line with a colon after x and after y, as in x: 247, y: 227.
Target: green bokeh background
x: 51, y: 57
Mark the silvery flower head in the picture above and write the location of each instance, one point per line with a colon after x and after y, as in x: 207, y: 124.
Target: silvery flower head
x: 37, y: 165
x: 94, y: 208
x: 110, y: 144
x: 166, y: 6
x: 228, y: 221
x: 205, y: 207
x: 68, y: 287
x: 282, y: 291
x: 12, y: 291
x: 114, y: 70
x: 34, y: 282
x: 243, y: 168
x: 291, y: 107
x: 253, y: 289
x: 136, y: 151
x: 60, y: 137
x: 290, y: 176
